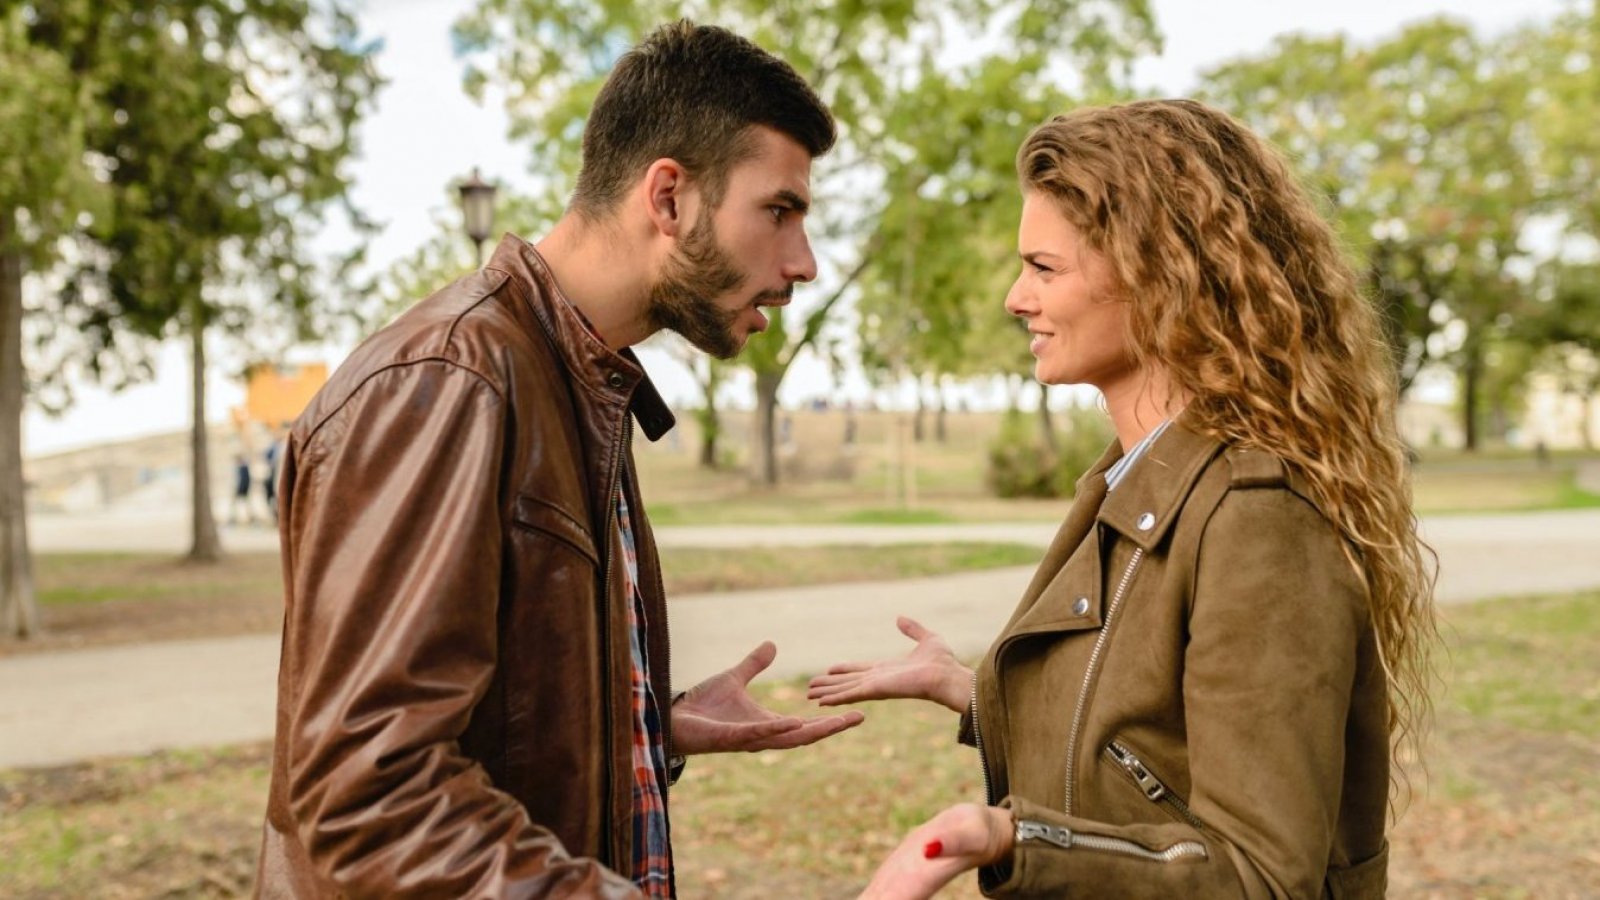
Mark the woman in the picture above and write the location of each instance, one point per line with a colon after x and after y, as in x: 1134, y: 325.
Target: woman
x: 1200, y: 691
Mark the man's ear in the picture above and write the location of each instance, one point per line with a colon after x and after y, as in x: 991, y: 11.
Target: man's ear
x: 666, y: 188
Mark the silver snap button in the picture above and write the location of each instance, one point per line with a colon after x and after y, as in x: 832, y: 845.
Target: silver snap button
x: 1147, y: 521
x: 1081, y: 606
x: 615, y: 379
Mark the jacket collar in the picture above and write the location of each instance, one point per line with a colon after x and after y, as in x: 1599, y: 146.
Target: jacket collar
x: 1144, y: 506
x: 605, y: 373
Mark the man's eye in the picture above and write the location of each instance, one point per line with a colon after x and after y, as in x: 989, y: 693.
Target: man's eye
x: 777, y: 212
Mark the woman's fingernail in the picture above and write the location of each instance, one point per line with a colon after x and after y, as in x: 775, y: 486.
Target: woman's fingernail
x: 932, y: 850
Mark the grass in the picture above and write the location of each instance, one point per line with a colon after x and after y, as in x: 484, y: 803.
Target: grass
x: 71, y: 578
x: 1512, y: 806
x: 823, y: 481
x: 693, y: 570
x: 1533, y: 664
x: 1508, y: 486
x: 112, y: 598
x: 86, y: 578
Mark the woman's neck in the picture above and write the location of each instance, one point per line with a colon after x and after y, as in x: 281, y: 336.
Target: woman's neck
x: 1139, y: 403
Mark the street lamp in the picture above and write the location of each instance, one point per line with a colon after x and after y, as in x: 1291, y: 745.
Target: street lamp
x: 477, y: 210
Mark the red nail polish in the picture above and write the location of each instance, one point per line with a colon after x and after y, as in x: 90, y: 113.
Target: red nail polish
x: 933, y: 849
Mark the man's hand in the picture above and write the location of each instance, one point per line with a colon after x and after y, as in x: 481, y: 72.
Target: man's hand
x: 719, y: 716
x: 928, y: 672
x: 962, y: 837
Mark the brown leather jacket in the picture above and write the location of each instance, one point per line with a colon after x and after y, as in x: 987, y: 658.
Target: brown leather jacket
x: 1188, y: 702
x: 453, y: 693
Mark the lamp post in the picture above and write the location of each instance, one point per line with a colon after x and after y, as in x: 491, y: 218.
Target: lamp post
x: 477, y: 210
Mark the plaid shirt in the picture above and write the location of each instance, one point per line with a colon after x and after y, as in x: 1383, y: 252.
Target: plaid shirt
x: 652, y: 847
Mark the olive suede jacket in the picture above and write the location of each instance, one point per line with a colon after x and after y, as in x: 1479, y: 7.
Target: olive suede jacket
x: 454, y: 702
x: 1188, y: 702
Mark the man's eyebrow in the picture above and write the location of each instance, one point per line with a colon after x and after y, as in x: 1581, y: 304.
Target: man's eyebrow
x: 792, y: 200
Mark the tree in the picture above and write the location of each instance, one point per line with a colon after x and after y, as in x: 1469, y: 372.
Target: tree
x: 1564, y: 320
x: 1420, y: 146
x: 45, y: 188
x: 868, y: 61
x: 221, y: 128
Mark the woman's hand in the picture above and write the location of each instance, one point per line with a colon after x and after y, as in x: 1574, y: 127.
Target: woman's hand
x: 962, y: 837
x: 928, y: 672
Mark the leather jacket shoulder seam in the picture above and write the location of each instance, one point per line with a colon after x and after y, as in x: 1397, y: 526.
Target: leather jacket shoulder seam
x: 312, y: 435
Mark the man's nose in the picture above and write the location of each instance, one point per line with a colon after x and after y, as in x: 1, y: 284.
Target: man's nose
x: 802, y: 263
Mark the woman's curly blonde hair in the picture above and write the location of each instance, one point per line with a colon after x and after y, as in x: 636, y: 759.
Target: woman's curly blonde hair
x: 1239, y: 292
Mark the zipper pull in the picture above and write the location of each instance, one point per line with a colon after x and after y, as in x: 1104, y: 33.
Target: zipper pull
x: 1150, y: 784
x: 1028, y: 830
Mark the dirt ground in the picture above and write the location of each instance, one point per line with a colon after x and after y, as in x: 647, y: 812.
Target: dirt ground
x: 1501, y: 820
x: 1509, y: 808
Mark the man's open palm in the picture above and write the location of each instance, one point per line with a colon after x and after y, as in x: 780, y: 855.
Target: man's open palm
x: 719, y: 716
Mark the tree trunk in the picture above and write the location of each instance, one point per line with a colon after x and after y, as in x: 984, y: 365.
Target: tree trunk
x: 709, y: 426
x: 917, y: 431
x: 19, y: 608
x: 940, y: 433
x: 1586, y: 415
x: 1047, y: 424
x: 1471, y: 387
x: 764, y: 463
x: 206, y: 546
x: 710, y: 421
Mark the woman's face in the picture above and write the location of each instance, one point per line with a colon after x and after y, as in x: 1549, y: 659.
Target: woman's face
x: 1078, y: 328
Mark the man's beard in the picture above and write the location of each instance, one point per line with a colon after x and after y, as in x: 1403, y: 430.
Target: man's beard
x: 683, y: 300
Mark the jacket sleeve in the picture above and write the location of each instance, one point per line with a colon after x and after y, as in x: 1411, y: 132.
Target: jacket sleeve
x: 1275, y: 619
x: 393, y: 549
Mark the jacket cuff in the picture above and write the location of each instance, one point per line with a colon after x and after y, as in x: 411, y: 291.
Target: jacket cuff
x: 676, y: 762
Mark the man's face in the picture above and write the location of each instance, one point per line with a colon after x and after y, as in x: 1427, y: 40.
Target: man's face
x: 745, y: 254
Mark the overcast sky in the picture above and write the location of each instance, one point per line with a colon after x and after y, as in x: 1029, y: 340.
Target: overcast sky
x: 426, y: 134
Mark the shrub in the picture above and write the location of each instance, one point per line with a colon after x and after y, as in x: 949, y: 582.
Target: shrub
x: 1022, y: 465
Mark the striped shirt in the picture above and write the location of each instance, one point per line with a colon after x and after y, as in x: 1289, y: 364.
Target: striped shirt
x: 1119, y: 469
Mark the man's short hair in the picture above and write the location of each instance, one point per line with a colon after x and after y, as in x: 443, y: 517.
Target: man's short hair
x: 691, y: 93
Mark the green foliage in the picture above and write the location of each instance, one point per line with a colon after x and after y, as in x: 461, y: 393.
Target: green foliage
x: 1022, y: 464
x: 44, y: 185
x: 449, y: 254
x: 220, y: 131
x: 915, y: 129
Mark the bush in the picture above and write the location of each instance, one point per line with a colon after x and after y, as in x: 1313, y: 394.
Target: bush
x: 1086, y: 437
x: 1021, y: 465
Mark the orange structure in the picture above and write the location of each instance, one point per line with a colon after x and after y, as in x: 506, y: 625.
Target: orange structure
x: 275, y: 394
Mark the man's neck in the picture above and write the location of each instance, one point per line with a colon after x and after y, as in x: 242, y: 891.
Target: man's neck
x: 605, y: 279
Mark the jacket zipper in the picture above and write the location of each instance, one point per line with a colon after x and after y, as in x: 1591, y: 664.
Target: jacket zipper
x: 1154, y: 790
x: 977, y: 740
x: 1067, y: 839
x: 1089, y: 674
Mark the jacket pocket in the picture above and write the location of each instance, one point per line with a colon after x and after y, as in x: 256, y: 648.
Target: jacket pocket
x: 1365, y: 880
x: 535, y: 514
x: 1132, y: 766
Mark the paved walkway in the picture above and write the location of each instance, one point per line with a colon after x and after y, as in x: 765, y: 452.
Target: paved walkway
x: 62, y: 707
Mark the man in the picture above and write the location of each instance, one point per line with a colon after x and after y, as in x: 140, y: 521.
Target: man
x: 473, y: 696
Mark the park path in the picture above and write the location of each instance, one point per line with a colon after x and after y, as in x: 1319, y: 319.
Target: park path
x: 63, y: 707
